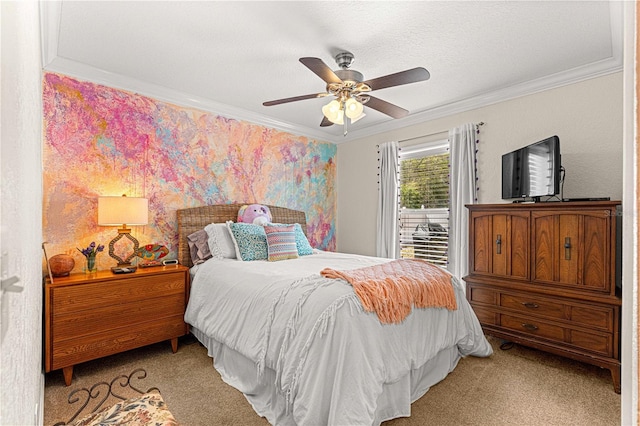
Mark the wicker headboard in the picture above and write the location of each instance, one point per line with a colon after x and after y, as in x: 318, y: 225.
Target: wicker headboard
x: 193, y: 219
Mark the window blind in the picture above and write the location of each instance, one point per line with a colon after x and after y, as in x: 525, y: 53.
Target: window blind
x: 424, y: 203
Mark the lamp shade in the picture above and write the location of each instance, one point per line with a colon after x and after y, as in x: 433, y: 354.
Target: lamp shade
x: 118, y: 211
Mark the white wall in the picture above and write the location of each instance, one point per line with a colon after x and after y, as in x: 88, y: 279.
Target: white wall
x: 587, y: 117
x: 21, y: 377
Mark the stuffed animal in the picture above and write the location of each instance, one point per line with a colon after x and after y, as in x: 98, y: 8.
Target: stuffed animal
x: 254, y: 213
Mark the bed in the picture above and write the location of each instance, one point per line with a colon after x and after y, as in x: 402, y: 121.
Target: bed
x: 300, y: 346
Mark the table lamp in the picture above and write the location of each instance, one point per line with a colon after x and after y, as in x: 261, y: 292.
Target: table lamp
x: 123, y: 211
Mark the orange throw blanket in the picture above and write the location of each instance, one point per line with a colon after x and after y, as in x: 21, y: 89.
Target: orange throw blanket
x: 392, y: 289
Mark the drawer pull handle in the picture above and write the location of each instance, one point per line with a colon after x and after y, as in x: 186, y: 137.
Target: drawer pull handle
x: 530, y: 327
x: 530, y: 305
x: 499, y: 244
x: 567, y: 248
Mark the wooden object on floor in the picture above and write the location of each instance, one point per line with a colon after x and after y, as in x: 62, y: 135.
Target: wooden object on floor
x: 89, y: 316
x: 544, y: 275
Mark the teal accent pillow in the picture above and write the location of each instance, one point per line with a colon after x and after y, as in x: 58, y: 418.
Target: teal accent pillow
x: 250, y: 241
x: 302, y: 243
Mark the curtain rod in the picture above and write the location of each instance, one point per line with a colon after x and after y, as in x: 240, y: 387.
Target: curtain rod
x: 433, y: 134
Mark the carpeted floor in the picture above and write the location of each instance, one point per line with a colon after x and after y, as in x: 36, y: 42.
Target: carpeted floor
x: 520, y: 386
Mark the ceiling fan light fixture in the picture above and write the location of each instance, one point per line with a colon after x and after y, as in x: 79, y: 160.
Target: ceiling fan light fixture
x: 339, y: 119
x: 353, y: 120
x: 353, y: 109
x: 334, y: 112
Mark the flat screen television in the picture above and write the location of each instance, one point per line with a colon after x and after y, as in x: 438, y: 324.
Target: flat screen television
x: 532, y: 171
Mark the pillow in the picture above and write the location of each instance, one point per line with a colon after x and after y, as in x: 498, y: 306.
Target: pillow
x: 250, y: 241
x: 302, y: 243
x: 220, y: 241
x: 281, y: 242
x: 198, y: 247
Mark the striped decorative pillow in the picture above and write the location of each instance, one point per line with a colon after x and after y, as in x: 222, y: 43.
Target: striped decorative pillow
x: 304, y: 248
x: 281, y: 242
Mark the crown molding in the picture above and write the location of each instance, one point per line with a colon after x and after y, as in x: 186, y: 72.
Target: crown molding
x: 50, y: 12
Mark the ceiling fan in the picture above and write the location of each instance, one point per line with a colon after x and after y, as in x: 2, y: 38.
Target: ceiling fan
x: 351, y: 92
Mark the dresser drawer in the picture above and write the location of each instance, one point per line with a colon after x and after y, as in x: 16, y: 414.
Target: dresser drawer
x: 533, y: 305
x: 486, y: 316
x: 553, y: 308
x: 483, y: 295
x: 529, y: 326
x: 601, y: 343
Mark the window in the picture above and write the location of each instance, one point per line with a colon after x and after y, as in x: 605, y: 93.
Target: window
x: 424, y: 202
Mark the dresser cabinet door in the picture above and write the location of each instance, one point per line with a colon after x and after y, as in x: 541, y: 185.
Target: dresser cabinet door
x: 500, y: 245
x: 572, y: 249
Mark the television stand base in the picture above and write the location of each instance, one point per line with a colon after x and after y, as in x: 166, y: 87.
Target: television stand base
x: 528, y: 200
x: 587, y: 199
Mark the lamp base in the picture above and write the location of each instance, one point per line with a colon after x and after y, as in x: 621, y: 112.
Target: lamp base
x: 123, y: 269
x: 124, y: 232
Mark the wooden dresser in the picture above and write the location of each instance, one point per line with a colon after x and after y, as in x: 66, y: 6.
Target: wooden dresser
x: 544, y: 275
x: 88, y: 316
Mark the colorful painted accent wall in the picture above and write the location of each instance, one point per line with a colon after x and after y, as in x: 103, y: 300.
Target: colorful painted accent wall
x: 103, y: 141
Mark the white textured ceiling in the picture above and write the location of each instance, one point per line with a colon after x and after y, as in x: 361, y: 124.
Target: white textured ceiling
x: 229, y: 57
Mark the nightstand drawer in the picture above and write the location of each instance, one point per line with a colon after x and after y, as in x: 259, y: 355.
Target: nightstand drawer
x: 103, y: 318
x: 134, y: 289
x: 73, y: 351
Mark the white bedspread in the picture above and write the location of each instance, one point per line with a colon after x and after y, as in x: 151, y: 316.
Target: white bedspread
x: 331, y: 359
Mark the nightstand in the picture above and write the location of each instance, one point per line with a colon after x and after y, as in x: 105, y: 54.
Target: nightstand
x: 89, y: 316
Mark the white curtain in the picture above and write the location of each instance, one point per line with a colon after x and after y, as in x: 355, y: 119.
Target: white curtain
x: 387, y: 244
x: 462, y: 181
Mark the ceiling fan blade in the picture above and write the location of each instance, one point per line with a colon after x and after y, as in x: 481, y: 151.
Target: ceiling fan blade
x: 325, y: 122
x: 413, y: 75
x: 321, y: 70
x: 386, y: 108
x: 294, y: 99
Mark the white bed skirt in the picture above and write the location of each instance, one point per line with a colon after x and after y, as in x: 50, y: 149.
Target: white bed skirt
x: 395, y: 400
